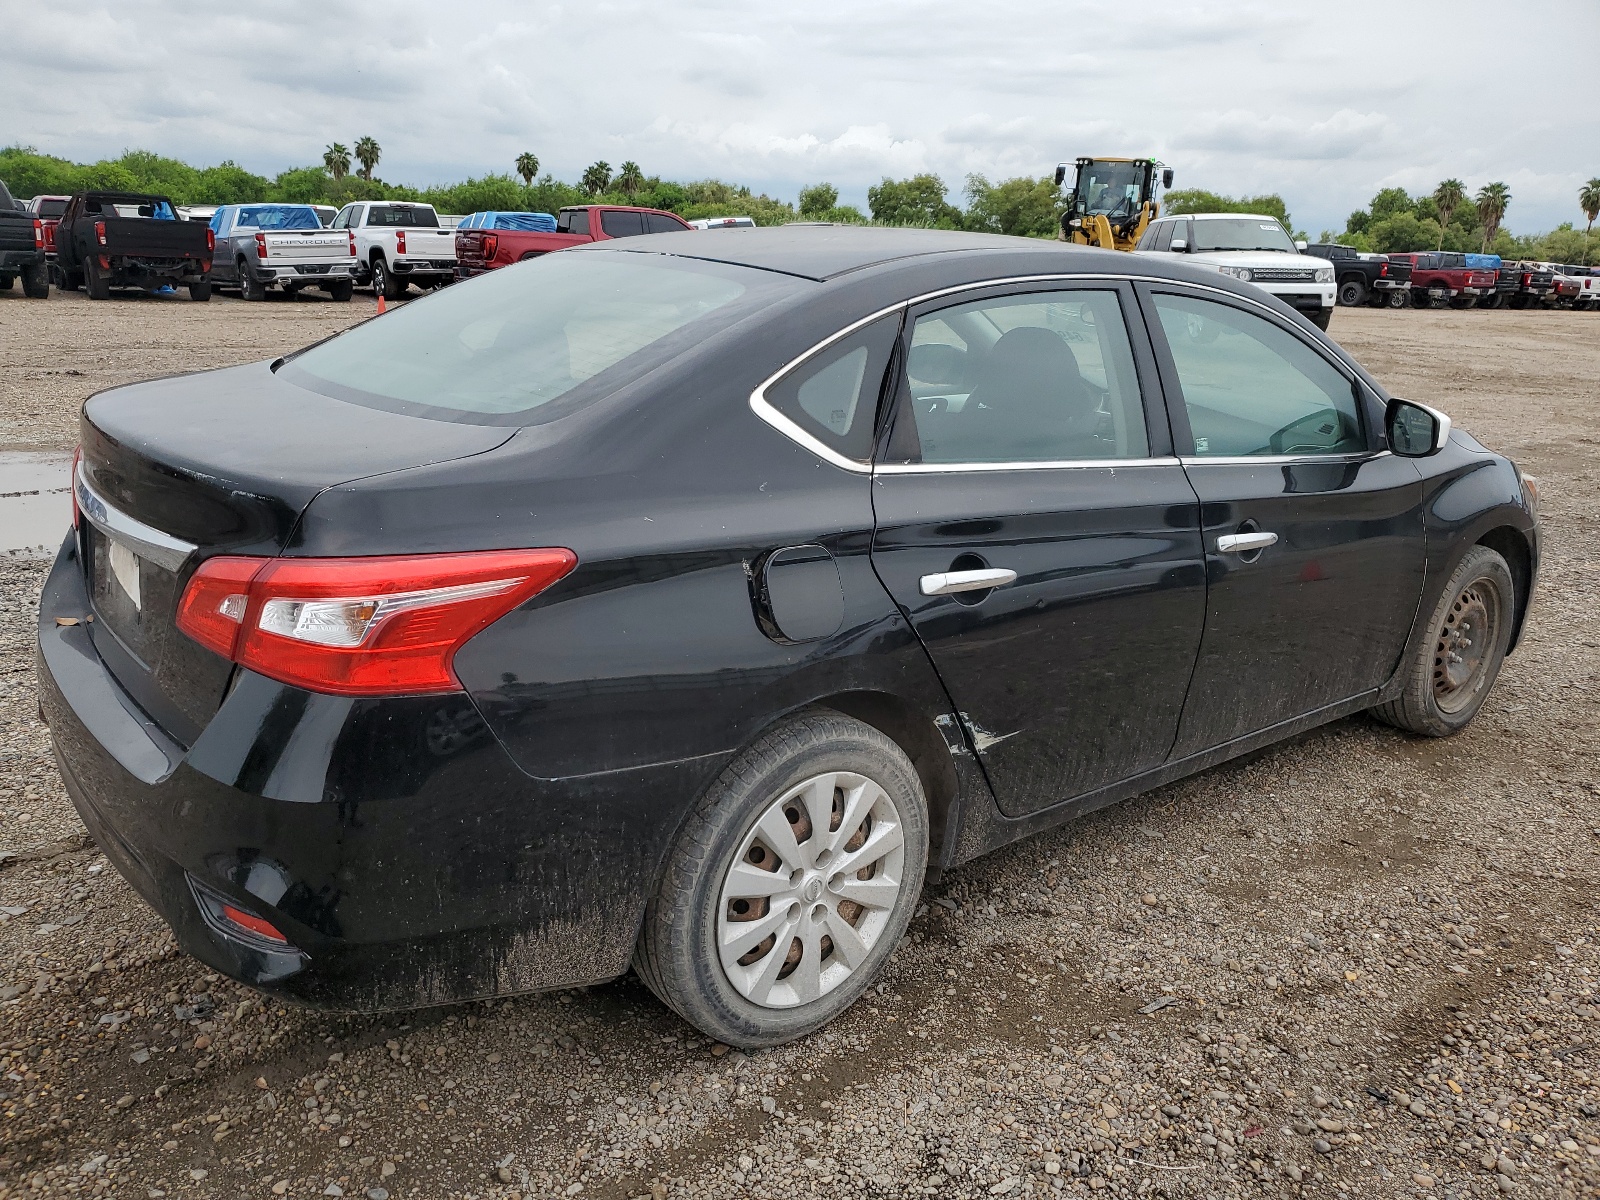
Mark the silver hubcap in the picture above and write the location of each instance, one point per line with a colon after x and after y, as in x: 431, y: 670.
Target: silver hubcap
x: 810, y: 890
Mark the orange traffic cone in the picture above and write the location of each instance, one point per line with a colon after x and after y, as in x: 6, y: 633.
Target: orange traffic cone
x: 382, y: 307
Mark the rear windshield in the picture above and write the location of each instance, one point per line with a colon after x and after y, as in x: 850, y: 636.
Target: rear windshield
x: 52, y: 208
x: 405, y: 216
x: 501, y: 348
x: 279, y: 216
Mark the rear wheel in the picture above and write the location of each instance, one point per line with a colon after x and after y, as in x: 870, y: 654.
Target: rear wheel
x: 1352, y: 293
x: 36, y: 282
x: 201, y: 290
x: 1494, y: 301
x: 250, y: 288
x: 341, y: 291
x: 384, y: 283
x: 790, y: 884
x: 1399, y: 298
x: 1464, y: 302
x: 1322, y: 318
x: 1451, y: 672
x: 1519, y: 301
x: 6, y: 281
x: 95, y: 282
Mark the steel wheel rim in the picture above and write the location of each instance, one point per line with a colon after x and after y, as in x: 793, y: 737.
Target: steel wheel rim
x: 1464, y: 648
x: 795, y: 916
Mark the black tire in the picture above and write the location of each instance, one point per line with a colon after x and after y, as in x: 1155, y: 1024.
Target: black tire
x: 341, y: 291
x: 36, y: 282
x: 1463, y: 302
x: 677, y: 955
x: 6, y: 281
x: 1352, y: 293
x: 200, y: 291
x: 95, y: 284
x: 1497, y: 300
x: 384, y: 282
x: 1519, y: 302
x: 1472, y: 623
x: 250, y: 288
x: 1400, y: 298
x: 1322, y: 318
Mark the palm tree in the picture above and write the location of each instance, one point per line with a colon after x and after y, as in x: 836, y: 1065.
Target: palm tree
x: 1492, y: 201
x: 367, y: 154
x: 337, y: 159
x: 1447, y: 197
x: 1589, y: 201
x: 597, y: 178
x: 527, y: 167
x: 630, y: 179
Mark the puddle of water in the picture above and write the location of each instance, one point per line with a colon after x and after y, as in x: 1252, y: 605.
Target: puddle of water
x: 35, y: 503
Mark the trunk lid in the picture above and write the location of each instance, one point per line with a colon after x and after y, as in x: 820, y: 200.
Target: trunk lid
x: 177, y: 470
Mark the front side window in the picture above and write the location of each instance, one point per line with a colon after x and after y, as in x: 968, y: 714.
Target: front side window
x: 504, y: 348
x: 342, y: 221
x: 833, y: 395
x: 660, y: 223
x: 1164, y: 235
x: 1039, y: 377
x: 1241, y: 233
x: 1251, y: 387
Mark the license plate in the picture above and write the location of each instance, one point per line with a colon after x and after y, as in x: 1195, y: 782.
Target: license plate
x: 124, y: 565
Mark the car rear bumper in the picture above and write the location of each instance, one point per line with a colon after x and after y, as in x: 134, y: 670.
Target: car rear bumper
x: 304, y: 273
x: 1389, y: 285
x: 16, y: 260
x: 404, y: 856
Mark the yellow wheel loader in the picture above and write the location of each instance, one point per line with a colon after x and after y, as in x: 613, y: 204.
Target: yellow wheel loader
x: 1112, y: 200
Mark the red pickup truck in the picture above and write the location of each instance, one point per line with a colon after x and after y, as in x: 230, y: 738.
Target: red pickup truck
x: 1443, y: 277
x: 48, y: 209
x: 480, y: 250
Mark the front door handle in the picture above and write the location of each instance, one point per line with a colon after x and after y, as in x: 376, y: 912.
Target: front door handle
x: 1244, y: 543
x: 947, y: 583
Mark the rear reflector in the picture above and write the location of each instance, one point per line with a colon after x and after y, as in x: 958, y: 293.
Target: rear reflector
x: 383, y: 626
x: 490, y: 243
x: 256, y: 925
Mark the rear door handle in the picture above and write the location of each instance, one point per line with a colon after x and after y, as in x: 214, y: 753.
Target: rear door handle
x: 1243, y: 543
x: 947, y: 583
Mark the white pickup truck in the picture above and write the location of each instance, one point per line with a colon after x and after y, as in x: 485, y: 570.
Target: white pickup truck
x: 260, y: 246
x: 398, y: 243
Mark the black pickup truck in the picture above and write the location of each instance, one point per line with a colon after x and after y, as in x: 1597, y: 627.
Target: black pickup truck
x: 1365, y: 278
x: 1520, y: 285
x: 131, y: 240
x: 21, y: 249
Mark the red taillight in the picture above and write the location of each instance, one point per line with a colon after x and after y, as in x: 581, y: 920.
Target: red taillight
x: 100, y: 231
x: 38, y: 234
x: 1527, y: 279
x: 1383, y: 270
x: 77, y: 513
x: 261, y: 245
x: 352, y: 245
x: 211, y: 241
x: 256, y: 925
x: 400, y: 241
x: 490, y: 243
x: 360, y: 626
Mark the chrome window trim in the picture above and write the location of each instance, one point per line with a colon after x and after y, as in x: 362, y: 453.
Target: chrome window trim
x: 1099, y: 464
x: 144, y: 540
x: 1267, y: 460
x: 764, y: 409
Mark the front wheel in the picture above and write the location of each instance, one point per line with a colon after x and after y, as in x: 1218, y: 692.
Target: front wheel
x: 1451, y: 672
x: 1321, y: 318
x: 790, y: 884
x: 1352, y: 293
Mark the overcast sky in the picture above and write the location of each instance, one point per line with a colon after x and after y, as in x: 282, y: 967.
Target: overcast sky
x: 1322, y: 102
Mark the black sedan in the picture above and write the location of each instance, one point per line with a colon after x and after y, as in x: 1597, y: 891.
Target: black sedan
x: 687, y: 605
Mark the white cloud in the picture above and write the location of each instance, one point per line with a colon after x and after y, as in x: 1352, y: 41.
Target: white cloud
x: 1242, y: 97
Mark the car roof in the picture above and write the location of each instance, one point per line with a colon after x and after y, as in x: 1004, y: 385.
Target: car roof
x: 825, y: 252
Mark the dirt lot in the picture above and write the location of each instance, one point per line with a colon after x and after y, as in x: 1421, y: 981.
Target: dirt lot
x: 1383, y: 951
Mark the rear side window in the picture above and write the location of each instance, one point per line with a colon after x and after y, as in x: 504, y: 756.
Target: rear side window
x: 504, y: 348
x: 622, y: 224
x: 573, y: 220
x: 833, y: 395
x: 657, y: 223
x: 1039, y: 377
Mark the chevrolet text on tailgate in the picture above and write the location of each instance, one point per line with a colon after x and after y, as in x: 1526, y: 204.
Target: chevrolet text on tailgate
x: 259, y: 246
x: 398, y: 244
x: 368, y: 670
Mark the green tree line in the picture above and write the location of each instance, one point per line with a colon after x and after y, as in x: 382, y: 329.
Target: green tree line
x: 1452, y: 218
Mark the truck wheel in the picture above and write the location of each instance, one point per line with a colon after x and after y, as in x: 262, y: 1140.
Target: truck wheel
x: 1352, y: 293
x: 790, y: 883
x: 1463, y: 302
x: 95, y: 284
x: 201, y: 290
x: 1454, y: 667
x: 341, y: 291
x: 35, y: 282
x: 1321, y: 319
x: 250, y: 288
x: 384, y: 283
x: 1420, y: 298
x: 1491, y: 302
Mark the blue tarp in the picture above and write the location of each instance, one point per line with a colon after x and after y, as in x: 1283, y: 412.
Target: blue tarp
x: 529, y: 221
x: 273, y: 217
x: 1483, y: 262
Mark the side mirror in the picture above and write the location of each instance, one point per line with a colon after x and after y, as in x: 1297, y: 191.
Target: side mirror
x: 1415, y: 430
x: 1300, y: 246
x: 1180, y: 245
x: 1061, y: 173
x: 1166, y: 178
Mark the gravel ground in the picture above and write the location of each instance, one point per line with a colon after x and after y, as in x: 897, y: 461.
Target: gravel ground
x: 1360, y: 964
